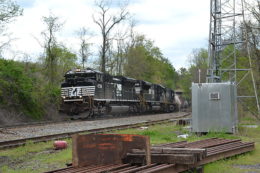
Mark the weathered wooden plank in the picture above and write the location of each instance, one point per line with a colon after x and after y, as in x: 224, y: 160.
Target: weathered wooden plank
x: 182, y: 150
x: 147, y: 151
x: 159, y: 150
x: 75, y: 157
x: 162, y: 158
x: 102, y: 149
x: 171, y: 150
x: 197, y: 152
x: 208, y: 159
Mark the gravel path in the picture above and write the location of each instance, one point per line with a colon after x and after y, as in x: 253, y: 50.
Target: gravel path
x: 49, y: 129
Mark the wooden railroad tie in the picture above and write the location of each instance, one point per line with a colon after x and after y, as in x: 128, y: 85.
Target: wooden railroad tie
x: 167, y: 155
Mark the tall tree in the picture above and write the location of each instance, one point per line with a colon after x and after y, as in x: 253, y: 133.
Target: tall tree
x: 146, y: 62
x: 84, y: 51
x: 66, y: 60
x: 248, y: 56
x: 121, y: 42
x: 254, y: 34
x: 53, y: 25
x: 106, y: 22
x: 8, y: 11
x: 184, y: 82
x: 198, y: 65
x: 120, y: 51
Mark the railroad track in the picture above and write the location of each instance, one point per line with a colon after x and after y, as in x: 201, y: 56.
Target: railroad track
x: 20, y: 142
x: 68, y: 120
x: 32, y: 124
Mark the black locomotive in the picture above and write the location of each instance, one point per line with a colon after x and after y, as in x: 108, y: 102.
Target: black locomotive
x: 87, y: 93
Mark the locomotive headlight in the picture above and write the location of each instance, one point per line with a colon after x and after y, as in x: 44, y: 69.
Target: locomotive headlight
x: 80, y: 96
x: 63, y: 97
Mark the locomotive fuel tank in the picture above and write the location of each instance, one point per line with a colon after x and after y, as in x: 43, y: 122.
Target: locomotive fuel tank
x: 118, y: 109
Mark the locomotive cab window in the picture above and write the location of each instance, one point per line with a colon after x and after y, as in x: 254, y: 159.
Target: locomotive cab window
x: 99, y: 77
x: 137, y: 88
x: 91, y: 76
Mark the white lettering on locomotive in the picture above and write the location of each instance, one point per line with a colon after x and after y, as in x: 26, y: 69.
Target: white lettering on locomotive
x: 78, y: 91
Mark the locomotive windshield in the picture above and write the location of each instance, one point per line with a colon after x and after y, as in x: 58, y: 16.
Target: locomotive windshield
x: 80, y: 78
x: 81, y: 75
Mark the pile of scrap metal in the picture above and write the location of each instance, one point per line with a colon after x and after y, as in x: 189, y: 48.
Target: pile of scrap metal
x: 117, y: 153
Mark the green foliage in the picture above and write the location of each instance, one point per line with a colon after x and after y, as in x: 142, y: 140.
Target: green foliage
x: 8, y: 11
x: 53, y: 25
x: 51, y: 93
x: 34, y: 158
x: 198, y: 61
x: 65, y: 60
x: 24, y: 87
x: 184, y: 82
x: 146, y: 62
x: 62, y: 61
x: 244, y: 80
x: 17, y: 89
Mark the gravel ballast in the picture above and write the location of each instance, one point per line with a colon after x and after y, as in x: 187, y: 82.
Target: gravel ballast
x: 66, y: 127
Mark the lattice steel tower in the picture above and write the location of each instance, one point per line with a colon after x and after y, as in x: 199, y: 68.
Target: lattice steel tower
x: 226, y: 35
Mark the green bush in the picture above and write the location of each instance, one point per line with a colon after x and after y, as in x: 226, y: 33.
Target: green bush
x: 18, y: 90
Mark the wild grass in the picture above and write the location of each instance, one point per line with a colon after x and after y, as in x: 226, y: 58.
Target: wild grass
x: 233, y: 164
x: 158, y: 133
x: 250, y: 159
x: 34, y: 158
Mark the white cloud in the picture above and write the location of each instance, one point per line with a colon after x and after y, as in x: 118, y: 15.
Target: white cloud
x: 176, y: 26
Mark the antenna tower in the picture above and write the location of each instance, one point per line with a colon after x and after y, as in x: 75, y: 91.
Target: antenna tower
x: 226, y: 36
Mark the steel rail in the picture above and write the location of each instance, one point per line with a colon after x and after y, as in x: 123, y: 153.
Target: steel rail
x: 31, y: 124
x: 69, y: 120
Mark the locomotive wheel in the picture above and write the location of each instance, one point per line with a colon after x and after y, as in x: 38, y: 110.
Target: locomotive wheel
x: 132, y: 109
x: 85, y: 115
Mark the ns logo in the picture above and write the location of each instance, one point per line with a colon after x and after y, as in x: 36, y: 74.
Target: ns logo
x: 73, y: 92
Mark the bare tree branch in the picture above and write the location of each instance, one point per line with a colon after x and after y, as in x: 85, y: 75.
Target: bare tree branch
x: 84, y: 51
x: 106, y: 23
x: 53, y: 25
x: 9, y: 10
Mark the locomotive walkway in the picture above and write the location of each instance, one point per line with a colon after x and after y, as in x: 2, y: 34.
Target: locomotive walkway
x: 11, y: 137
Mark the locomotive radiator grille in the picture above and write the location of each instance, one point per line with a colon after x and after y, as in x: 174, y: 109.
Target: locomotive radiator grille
x: 78, y: 91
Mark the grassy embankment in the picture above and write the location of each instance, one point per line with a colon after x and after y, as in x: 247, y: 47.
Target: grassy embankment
x: 41, y: 157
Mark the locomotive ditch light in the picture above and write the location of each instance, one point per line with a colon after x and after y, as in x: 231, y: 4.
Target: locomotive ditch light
x: 77, y: 70
x: 80, y: 96
x: 63, y: 97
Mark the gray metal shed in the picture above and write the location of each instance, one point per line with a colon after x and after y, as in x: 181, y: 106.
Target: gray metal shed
x: 214, y: 107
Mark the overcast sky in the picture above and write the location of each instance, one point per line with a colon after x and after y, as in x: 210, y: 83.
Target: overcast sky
x: 176, y: 26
